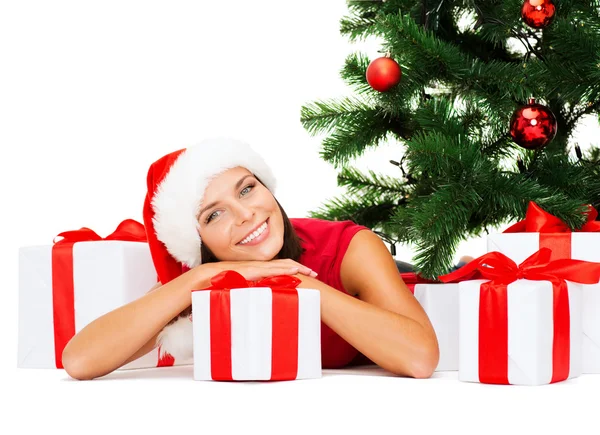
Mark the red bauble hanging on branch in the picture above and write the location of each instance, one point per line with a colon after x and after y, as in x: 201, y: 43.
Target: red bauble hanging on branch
x: 538, y: 13
x: 383, y: 73
x: 533, y: 126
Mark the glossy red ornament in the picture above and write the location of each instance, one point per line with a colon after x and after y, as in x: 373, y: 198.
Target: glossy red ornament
x: 383, y: 73
x: 533, y: 126
x: 538, y: 13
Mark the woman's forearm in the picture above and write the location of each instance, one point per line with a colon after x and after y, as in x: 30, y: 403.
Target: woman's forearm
x: 106, y: 343
x: 394, y: 342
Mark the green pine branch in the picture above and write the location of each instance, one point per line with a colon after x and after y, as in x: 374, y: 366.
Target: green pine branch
x: 364, y: 210
x: 352, y: 140
x: 323, y: 116
x: 372, y: 185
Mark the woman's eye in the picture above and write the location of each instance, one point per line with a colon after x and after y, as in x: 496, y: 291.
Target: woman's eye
x: 211, y: 215
x: 250, y: 185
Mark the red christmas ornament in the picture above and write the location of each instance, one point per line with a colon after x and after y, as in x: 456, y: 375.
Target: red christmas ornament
x: 533, y: 126
x: 538, y: 13
x: 383, y: 74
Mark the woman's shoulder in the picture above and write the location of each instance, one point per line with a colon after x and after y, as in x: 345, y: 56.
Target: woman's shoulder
x: 316, y: 223
x: 324, y: 235
x: 319, y: 226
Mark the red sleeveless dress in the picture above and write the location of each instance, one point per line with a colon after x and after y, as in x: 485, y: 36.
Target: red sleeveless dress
x: 325, y: 243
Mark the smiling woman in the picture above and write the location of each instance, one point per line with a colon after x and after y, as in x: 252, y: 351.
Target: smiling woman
x: 273, y: 225
x: 262, y: 233
x: 211, y: 207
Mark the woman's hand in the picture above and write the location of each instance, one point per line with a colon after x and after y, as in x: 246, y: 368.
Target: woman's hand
x: 255, y: 270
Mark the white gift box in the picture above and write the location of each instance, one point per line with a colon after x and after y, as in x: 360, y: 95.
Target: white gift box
x: 530, y: 331
x: 584, y: 246
x: 251, y: 329
x: 519, y: 246
x: 106, y: 275
x: 440, y: 302
x: 591, y: 329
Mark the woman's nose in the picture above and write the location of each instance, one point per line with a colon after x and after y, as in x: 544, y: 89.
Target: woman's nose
x: 243, y: 212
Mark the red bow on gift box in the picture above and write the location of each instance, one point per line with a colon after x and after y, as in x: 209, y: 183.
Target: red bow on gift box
x: 63, y: 301
x: 493, y: 305
x: 284, y: 347
x: 129, y: 231
x: 229, y: 279
x: 554, y: 233
x: 538, y: 220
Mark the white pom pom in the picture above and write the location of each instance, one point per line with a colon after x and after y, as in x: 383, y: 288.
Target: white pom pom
x: 176, y: 339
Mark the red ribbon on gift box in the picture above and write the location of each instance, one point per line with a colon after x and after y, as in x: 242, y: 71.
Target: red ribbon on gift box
x: 554, y: 233
x: 62, y: 277
x: 284, y: 353
x: 493, y: 305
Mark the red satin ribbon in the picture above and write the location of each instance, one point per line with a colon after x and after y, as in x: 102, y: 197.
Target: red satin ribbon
x: 554, y: 233
x: 63, y: 304
x: 284, y: 349
x: 493, y: 308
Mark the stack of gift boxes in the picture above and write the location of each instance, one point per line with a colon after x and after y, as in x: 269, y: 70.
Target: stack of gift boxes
x: 526, y: 313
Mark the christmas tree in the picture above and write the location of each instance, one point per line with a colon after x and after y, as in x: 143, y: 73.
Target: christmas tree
x: 482, y: 128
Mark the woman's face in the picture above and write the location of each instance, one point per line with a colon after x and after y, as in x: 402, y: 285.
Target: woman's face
x: 242, y: 207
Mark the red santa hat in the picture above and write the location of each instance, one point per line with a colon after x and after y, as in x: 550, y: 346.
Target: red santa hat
x: 176, y: 187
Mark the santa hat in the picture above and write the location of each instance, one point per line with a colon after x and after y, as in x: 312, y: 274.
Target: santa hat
x: 176, y: 187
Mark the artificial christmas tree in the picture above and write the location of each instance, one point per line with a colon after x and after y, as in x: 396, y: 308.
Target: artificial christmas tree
x: 467, y: 67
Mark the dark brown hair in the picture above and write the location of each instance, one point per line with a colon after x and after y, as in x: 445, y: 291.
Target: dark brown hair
x: 292, y: 248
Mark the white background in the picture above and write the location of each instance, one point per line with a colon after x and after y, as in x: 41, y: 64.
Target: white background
x: 91, y: 93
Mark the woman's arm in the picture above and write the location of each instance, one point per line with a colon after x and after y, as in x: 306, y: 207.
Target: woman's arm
x: 150, y: 344
x: 119, y: 336
x: 386, y: 324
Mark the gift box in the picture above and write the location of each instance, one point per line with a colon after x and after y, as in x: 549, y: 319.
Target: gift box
x: 541, y: 229
x: 521, y: 324
x: 440, y: 302
x: 590, y: 344
x: 528, y: 334
x: 263, y: 330
x: 65, y: 286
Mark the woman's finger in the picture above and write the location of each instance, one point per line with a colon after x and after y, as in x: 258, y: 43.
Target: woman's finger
x: 280, y: 271
x: 301, y: 268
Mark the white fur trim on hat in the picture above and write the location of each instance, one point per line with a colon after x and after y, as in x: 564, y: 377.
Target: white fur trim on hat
x: 178, y: 198
x: 176, y: 339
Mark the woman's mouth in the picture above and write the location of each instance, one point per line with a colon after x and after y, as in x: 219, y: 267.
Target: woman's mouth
x: 254, y: 238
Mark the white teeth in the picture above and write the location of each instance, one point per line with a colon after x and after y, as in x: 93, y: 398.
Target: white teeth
x: 255, y: 234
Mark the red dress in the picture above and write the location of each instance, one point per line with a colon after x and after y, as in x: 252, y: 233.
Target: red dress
x: 325, y: 243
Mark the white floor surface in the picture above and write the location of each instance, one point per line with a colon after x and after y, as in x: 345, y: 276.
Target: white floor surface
x: 363, y: 400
